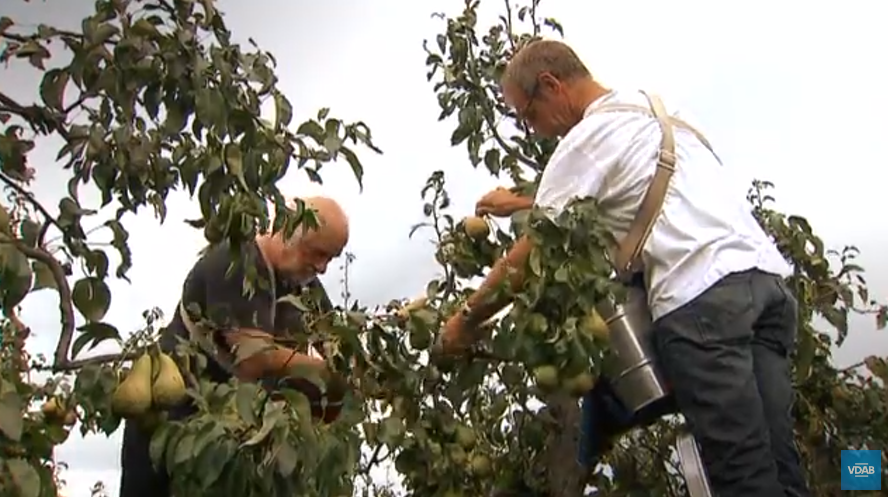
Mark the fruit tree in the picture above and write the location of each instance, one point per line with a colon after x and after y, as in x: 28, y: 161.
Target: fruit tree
x: 156, y: 97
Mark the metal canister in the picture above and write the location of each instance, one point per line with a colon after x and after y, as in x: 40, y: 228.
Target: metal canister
x: 632, y: 367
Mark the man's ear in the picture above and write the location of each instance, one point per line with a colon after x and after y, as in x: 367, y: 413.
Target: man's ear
x: 548, y: 80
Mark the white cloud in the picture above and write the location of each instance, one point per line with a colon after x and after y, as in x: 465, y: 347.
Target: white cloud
x: 787, y: 93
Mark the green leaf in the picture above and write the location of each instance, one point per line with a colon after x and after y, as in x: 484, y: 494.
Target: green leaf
x: 250, y: 347
x: 29, y: 231
x: 159, y: 441
x: 356, y: 166
x: 175, y: 120
x: 5, y: 23
x: 271, y: 418
x: 214, y: 461
x: 234, y: 159
x: 11, y: 415
x: 805, y: 353
x: 245, y: 400
x: 16, y: 274
x: 91, y: 297
x: 286, y: 457
x: 184, y: 449
x: 535, y: 261
x: 24, y: 477
x: 391, y: 431
x: 207, y: 435
x: 283, y: 112
x: 92, y: 334
x: 43, y: 277
x: 492, y: 160
x: 52, y: 88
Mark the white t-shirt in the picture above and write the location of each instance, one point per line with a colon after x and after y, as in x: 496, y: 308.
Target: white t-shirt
x: 705, y: 230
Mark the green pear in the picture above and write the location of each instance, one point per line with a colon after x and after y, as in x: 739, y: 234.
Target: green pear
x: 132, y: 398
x: 168, y: 389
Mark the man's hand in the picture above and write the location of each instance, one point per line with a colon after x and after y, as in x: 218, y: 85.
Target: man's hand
x: 501, y: 202
x: 456, y: 337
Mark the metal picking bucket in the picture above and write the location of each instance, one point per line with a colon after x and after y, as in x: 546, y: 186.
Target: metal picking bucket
x: 632, y: 368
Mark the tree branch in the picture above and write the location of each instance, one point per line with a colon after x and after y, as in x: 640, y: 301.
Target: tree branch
x: 60, y: 358
x: 49, y: 218
x: 66, y: 307
x: 39, y: 118
x: 88, y: 361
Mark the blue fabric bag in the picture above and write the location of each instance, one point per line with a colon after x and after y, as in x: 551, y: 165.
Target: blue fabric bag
x: 605, y: 418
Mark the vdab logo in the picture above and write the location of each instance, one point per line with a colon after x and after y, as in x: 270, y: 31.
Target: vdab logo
x: 861, y: 470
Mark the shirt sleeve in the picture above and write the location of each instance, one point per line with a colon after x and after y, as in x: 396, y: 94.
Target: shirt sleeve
x: 572, y: 172
x: 227, y: 303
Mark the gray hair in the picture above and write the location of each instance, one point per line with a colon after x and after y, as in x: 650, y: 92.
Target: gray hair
x: 539, y: 56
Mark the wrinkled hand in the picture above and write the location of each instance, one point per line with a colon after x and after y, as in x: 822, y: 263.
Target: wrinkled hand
x: 500, y: 202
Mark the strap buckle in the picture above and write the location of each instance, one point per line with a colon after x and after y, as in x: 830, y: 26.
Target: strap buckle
x: 667, y: 159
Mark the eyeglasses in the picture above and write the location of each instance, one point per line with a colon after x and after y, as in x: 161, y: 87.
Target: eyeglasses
x: 526, y: 113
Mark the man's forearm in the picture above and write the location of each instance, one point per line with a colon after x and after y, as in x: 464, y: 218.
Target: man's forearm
x: 509, y: 270
x: 266, y: 358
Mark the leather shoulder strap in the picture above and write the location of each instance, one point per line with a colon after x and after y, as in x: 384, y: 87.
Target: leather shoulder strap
x: 678, y: 123
x: 627, y: 257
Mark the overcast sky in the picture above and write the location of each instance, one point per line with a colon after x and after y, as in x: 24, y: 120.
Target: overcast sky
x: 787, y: 93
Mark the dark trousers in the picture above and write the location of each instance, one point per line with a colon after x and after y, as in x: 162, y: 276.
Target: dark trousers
x: 727, y: 355
x: 138, y: 478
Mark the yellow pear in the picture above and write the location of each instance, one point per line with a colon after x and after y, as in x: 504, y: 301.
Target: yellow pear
x: 546, y: 376
x: 132, y: 398
x: 580, y: 384
x: 168, y: 389
x: 595, y: 326
x: 465, y: 437
x: 53, y: 408
x: 414, y: 305
x: 481, y: 465
x: 476, y: 227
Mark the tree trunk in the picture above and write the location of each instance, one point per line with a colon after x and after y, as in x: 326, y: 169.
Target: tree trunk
x: 565, y: 476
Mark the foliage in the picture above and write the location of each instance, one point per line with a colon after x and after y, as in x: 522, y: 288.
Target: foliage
x: 167, y: 101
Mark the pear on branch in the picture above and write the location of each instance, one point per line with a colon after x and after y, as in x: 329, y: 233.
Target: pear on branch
x: 414, y: 305
x: 593, y: 325
x: 476, y: 227
x: 132, y: 398
x: 168, y: 389
x: 55, y: 410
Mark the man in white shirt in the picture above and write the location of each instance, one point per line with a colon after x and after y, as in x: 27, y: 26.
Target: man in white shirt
x: 724, y: 320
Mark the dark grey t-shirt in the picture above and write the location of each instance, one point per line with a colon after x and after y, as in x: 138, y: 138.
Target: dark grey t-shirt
x: 220, y: 294
x: 217, y: 288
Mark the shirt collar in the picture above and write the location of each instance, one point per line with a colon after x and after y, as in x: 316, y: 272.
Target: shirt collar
x: 598, y: 102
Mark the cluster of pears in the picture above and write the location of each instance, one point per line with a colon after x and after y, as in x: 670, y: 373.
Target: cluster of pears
x: 549, y: 378
x: 153, y: 384
x: 458, y: 444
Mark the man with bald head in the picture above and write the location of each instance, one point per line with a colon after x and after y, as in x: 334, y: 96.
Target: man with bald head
x: 215, y: 287
x: 724, y: 320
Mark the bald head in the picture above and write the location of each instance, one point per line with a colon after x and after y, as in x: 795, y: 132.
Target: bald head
x: 306, y: 254
x: 329, y: 213
x: 543, y: 56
